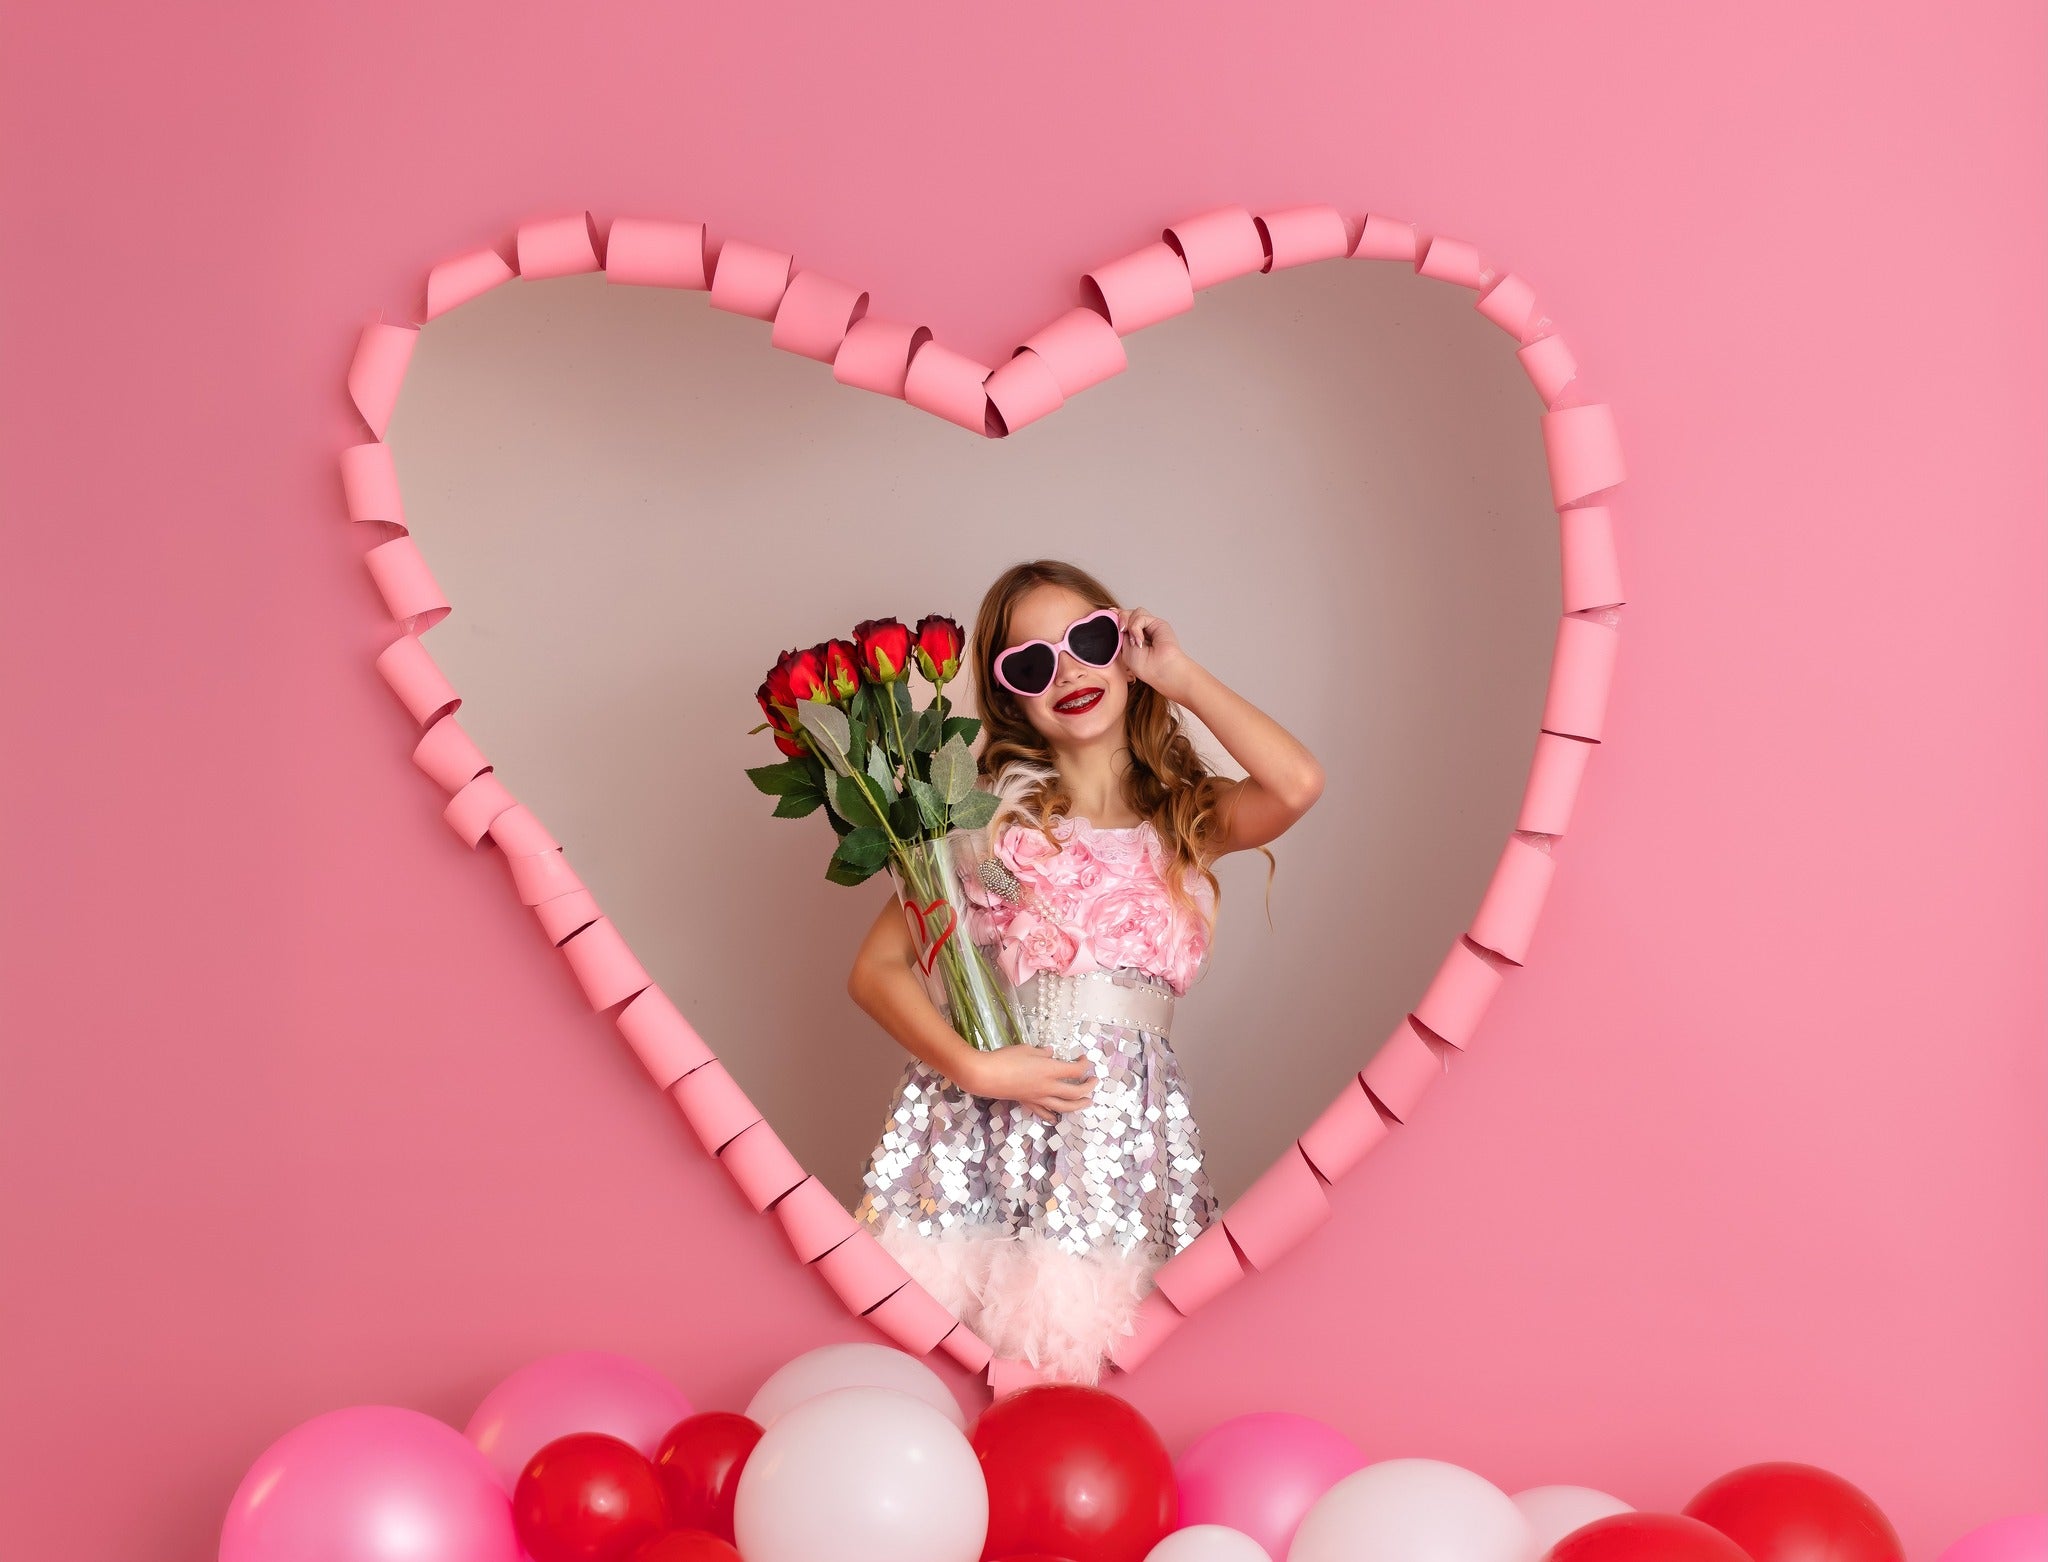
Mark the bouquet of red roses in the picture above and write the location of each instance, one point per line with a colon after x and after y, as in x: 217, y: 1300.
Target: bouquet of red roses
x: 899, y: 787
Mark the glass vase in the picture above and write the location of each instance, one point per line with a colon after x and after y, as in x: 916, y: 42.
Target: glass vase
x: 963, y: 978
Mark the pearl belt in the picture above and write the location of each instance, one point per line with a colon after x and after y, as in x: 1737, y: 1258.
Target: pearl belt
x: 1049, y: 1000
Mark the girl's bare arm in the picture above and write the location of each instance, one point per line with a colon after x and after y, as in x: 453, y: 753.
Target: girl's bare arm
x: 885, y: 986
x: 1283, y: 779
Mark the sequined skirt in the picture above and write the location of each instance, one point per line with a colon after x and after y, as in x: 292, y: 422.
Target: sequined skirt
x: 1043, y: 1235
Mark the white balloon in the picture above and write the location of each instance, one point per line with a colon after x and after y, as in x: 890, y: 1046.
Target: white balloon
x: 862, y: 1474
x: 863, y: 1365
x: 1554, y: 1512
x: 1208, y: 1543
x: 1412, y: 1510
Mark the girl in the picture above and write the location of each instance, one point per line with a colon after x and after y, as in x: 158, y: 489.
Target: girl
x: 1035, y: 1189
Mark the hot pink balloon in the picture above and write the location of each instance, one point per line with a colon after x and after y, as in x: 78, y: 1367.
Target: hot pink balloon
x: 580, y: 1391
x: 2021, y: 1538
x: 370, y: 1484
x: 1261, y: 1473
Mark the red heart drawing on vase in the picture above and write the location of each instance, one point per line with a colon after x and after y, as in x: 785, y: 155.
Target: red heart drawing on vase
x: 811, y: 316
x: 919, y: 918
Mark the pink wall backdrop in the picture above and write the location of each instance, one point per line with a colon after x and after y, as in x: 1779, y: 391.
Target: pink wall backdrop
x: 1748, y: 1164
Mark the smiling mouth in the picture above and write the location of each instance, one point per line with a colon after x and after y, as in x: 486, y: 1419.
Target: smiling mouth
x: 1074, y: 704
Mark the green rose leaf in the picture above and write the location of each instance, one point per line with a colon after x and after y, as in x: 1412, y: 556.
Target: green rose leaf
x: 881, y: 771
x: 794, y: 805
x: 965, y: 728
x: 792, y: 775
x: 975, y: 809
x: 931, y: 808
x: 852, y: 803
x: 953, y: 771
x: 866, y: 848
x: 828, y: 727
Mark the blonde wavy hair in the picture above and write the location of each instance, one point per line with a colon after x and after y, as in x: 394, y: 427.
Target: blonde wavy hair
x: 1166, y: 782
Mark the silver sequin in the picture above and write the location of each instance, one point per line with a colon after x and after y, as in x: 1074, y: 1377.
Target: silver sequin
x: 1124, y: 1172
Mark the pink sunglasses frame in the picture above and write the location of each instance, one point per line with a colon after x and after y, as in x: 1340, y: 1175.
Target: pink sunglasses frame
x: 1116, y: 614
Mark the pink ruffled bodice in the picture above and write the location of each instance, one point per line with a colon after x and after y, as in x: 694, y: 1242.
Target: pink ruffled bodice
x: 1097, y: 902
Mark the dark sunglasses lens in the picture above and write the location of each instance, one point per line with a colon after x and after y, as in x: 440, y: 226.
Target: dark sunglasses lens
x: 1096, y: 641
x: 1029, y: 668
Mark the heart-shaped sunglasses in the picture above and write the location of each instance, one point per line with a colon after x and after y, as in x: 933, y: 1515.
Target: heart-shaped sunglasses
x: 1094, y: 638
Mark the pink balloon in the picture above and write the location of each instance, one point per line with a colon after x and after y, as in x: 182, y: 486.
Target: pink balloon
x: 580, y: 1391
x: 1261, y: 1473
x: 2021, y: 1538
x: 370, y: 1484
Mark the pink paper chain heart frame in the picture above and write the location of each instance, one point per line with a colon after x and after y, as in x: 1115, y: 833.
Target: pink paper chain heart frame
x: 822, y: 318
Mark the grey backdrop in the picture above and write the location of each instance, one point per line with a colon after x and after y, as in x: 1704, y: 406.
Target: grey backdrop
x: 1330, y: 481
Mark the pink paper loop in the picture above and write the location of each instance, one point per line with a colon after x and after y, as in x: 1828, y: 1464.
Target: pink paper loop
x: 369, y: 484
x: 1081, y: 348
x: 603, y: 966
x: 666, y: 1043
x: 1302, y: 234
x: 1514, y: 901
x: 860, y: 1272
x: 1386, y: 239
x: 1277, y: 1211
x: 470, y: 811
x: 1349, y: 1129
x: 876, y: 355
x: 1510, y: 304
x: 1550, y: 366
x: 1592, y: 573
x: 1458, y: 997
x: 815, y: 315
x: 763, y: 1168
x: 1201, y: 1271
x: 1141, y: 289
x: 717, y: 1109
x: 410, y: 592
x: 948, y: 385
x: 968, y: 1348
x: 1584, y: 451
x: 813, y: 1220
x: 1218, y: 245
x: 541, y: 876
x: 644, y: 252
x: 419, y: 684
x: 1581, y: 672
x: 1401, y: 1071
x: 378, y: 370
x: 1153, y: 1325
x: 1453, y: 260
x: 455, y: 282
x: 448, y: 754
x: 563, y: 916
x: 558, y: 247
x: 749, y: 279
x: 914, y: 1319
x: 519, y: 834
x: 1554, y: 778
x: 1023, y: 390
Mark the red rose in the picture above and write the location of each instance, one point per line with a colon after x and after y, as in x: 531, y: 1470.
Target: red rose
x: 883, y: 645
x: 939, y: 642
x: 842, y: 668
x: 798, y: 675
x: 785, y: 734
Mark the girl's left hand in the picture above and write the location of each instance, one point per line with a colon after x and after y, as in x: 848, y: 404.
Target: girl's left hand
x: 1152, y: 651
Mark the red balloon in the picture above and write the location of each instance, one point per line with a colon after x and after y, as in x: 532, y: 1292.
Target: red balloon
x: 1074, y: 1473
x: 1646, y: 1537
x: 686, y: 1545
x: 1785, y: 1512
x: 699, y: 1463
x: 587, y: 1497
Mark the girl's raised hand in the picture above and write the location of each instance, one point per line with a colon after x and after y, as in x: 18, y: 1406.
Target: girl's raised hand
x: 1153, y: 651
x: 1031, y: 1075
